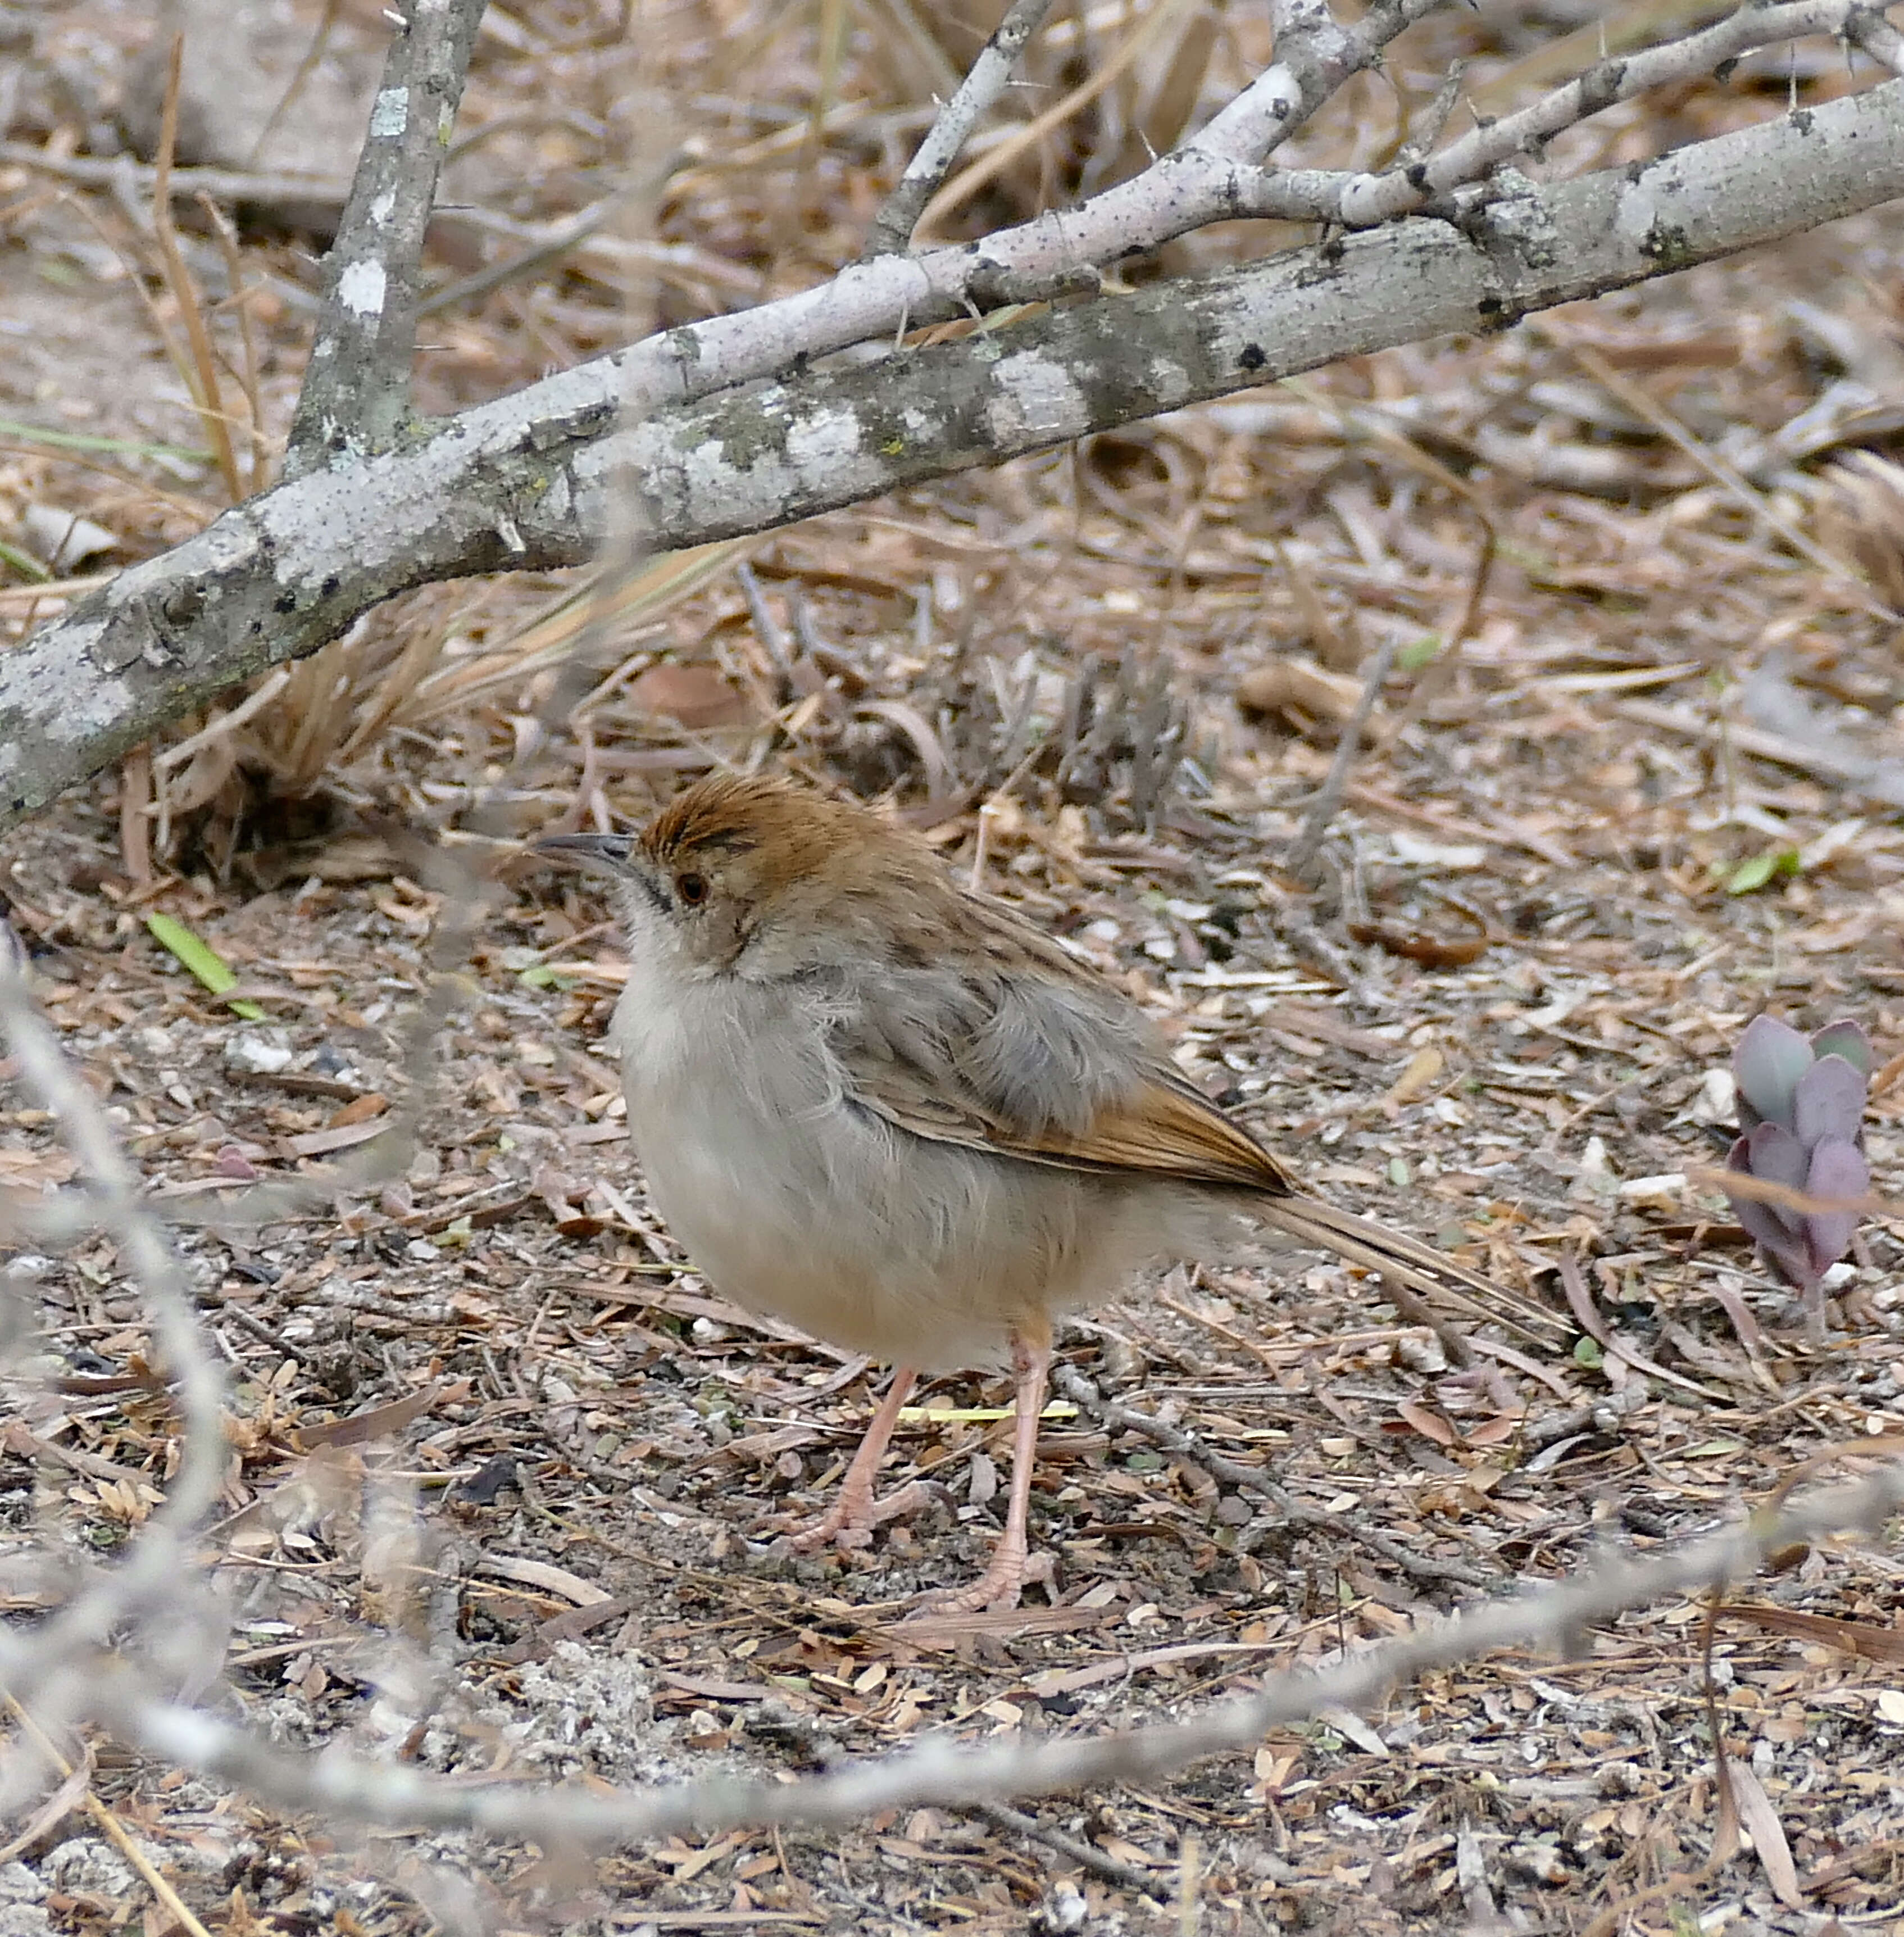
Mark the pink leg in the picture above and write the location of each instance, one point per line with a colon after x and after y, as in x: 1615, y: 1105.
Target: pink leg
x: 855, y: 1511
x: 1002, y: 1583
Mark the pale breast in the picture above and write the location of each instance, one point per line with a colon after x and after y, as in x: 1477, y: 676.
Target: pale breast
x: 792, y: 1200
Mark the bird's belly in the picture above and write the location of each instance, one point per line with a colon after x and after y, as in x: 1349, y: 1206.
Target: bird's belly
x: 812, y: 1221
x: 793, y: 1200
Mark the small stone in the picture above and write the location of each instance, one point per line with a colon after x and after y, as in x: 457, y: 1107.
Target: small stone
x: 89, y: 1865
x: 63, y: 539
x: 1718, y: 1099
x: 18, y: 1884
x: 248, y: 1054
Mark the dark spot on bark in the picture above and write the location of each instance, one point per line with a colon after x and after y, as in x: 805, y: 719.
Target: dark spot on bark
x: 1322, y: 264
x: 1252, y: 357
x: 1666, y: 242
x: 285, y: 602
x: 1600, y: 86
x: 987, y: 283
x: 1493, y: 313
x: 329, y: 590
x: 1801, y: 120
x: 1417, y: 177
x: 184, y: 605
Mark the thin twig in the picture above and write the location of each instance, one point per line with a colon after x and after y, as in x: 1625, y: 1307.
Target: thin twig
x: 1300, y: 859
x: 602, y: 255
x: 173, y: 1905
x: 265, y: 1334
x: 1638, y: 399
x: 254, y: 703
x: 356, y: 390
x: 1087, y: 1856
x: 241, y: 291
x: 1315, y: 55
x: 767, y: 627
x: 1141, y: 37
x: 1185, y: 1445
x: 1555, y: 1615
x: 200, y: 374
x: 158, y: 1561
x: 308, y: 66
x: 233, y: 185
x: 1877, y: 779
x: 1440, y: 110
x: 1475, y: 155
x: 893, y: 226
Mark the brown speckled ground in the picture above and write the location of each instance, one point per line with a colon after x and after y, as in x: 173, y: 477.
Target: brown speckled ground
x: 1551, y: 820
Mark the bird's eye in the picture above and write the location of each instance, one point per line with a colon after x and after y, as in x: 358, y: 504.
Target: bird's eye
x: 692, y: 888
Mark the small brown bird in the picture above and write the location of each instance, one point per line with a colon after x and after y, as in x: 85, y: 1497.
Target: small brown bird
x: 888, y: 1109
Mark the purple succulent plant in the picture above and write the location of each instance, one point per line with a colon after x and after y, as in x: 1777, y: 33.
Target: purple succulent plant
x: 1801, y: 1103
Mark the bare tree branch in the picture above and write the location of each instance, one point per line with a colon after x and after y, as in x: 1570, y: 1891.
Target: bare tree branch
x: 1555, y: 1616
x: 1314, y: 56
x: 1373, y: 198
x: 893, y: 226
x: 356, y: 389
x: 529, y: 480
x: 159, y: 1560
x: 1867, y: 27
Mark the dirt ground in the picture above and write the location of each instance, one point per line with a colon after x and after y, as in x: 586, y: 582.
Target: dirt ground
x: 1652, y: 791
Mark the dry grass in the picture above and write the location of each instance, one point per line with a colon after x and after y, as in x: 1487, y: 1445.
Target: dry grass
x: 783, y: 126
x: 1495, y: 1019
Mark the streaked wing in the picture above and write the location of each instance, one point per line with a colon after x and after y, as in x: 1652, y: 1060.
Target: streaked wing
x: 908, y: 1097
x: 1165, y: 1130
x: 1033, y: 1056
x: 1037, y: 1059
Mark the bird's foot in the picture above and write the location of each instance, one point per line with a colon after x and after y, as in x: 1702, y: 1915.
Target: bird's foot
x: 856, y: 1513
x: 998, y: 1589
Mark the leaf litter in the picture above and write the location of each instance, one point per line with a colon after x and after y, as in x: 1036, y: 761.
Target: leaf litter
x: 484, y: 1413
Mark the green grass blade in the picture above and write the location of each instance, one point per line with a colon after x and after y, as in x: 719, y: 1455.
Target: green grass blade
x: 205, y: 962
x: 24, y: 563
x: 106, y: 447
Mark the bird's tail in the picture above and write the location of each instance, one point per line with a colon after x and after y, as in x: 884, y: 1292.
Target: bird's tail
x: 1398, y: 1256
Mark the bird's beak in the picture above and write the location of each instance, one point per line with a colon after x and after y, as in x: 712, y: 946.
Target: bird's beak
x: 599, y: 850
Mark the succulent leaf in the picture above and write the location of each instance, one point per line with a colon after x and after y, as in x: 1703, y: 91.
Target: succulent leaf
x: 1778, y: 1234
x: 1838, y: 1170
x: 1801, y: 1110
x: 1844, y: 1037
x: 1773, y: 1152
x: 1828, y: 1103
x: 1770, y: 1058
x: 1787, y: 1254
